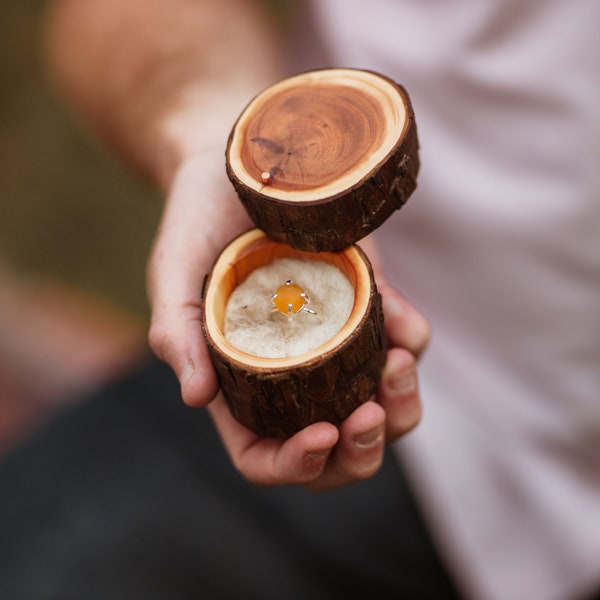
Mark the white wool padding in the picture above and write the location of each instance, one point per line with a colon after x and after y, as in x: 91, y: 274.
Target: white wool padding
x: 253, y: 326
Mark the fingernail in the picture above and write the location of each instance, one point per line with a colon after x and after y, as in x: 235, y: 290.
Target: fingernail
x: 403, y: 384
x: 369, y: 439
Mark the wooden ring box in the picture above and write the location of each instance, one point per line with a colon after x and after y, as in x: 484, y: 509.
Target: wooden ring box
x: 318, y: 160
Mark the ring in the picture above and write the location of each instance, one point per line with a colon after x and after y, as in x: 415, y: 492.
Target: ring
x: 290, y: 299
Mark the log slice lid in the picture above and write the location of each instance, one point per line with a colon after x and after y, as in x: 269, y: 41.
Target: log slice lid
x: 321, y: 159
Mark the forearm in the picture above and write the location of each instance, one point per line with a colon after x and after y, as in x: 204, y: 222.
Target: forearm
x: 161, y: 80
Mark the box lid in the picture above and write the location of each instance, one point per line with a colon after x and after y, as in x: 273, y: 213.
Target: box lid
x: 321, y: 159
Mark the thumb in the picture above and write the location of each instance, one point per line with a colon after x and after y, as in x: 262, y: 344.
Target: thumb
x: 176, y: 337
x: 176, y: 271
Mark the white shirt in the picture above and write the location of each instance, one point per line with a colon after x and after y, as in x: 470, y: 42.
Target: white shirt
x: 500, y: 248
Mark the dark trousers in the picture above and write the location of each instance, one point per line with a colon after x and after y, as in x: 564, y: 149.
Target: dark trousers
x: 130, y: 496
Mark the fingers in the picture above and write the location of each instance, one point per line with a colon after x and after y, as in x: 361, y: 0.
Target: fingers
x: 359, y: 452
x: 398, y: 394
x: 363, y: 435
x: 408, y: 334
x: 321, y: 456
x: 269, y: 462
x: 405, y: 327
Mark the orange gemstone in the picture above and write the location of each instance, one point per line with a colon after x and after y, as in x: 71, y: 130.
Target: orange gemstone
x: 289, y: 298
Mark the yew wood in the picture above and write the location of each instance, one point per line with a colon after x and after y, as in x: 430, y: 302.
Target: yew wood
x: 276, y: 397
x: 321, y: 159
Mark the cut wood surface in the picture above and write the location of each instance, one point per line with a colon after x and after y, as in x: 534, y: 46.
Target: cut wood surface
x: 323, y: 158
x: 276, y: 397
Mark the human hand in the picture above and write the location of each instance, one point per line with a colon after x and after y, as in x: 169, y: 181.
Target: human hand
x: 323, y: 456
x: 199, y: 220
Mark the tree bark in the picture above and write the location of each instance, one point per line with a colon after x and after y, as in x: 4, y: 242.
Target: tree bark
x: 278, y: 397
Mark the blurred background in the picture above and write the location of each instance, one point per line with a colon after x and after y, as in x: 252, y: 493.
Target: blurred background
x: 75, y: 232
